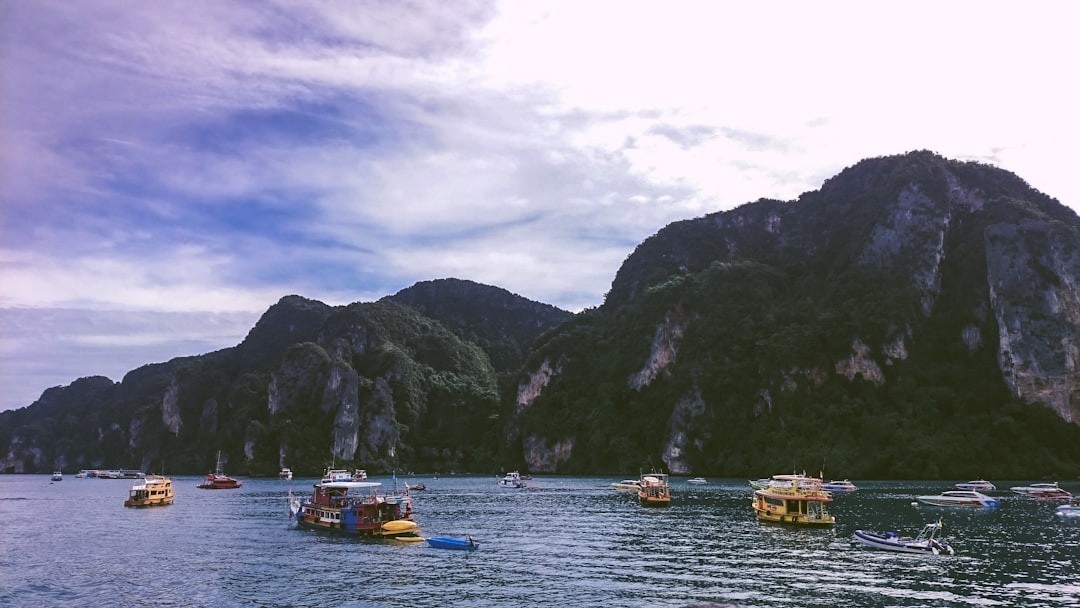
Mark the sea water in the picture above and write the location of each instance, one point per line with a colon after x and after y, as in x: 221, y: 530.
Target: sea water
x: 562, y: 541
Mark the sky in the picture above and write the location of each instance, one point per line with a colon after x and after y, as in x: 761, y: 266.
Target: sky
x: 171, y: 169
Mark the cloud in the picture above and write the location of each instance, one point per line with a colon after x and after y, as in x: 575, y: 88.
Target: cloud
x: 169, y: 160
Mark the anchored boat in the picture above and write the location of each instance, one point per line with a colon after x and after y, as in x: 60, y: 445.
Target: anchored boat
x: 928, y: 541
x: 655, y: 490
x: 150, y: 491
x: 793, y: 499
x: 356, y: 507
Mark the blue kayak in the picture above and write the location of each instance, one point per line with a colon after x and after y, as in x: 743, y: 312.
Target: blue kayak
x: 443, y: 542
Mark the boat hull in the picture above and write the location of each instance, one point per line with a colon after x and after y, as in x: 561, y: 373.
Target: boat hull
x: 900, y: 545
x: 366, y: 530
x: 149, y: 502
x: 456, y: 544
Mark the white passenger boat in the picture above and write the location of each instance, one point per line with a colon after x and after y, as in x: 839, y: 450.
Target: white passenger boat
x: 1049, y: 491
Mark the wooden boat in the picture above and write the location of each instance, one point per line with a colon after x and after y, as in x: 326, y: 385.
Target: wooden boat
x: 460, y: 544
x: 357, y: 508
x: 655, y: 490
x: 799, y: 500
x: 928, y: 541
x: 1049, y: 491
x: 960, y: 498
x: 978, y: 485
x: 218, y: 480
x: 151, y: 491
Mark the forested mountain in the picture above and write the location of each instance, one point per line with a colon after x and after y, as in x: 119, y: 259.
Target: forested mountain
x: 915, y: 317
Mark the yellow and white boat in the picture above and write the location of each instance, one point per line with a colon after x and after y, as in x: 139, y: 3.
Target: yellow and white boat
x: 151, y: 491
x: 655, y: 491
x: 796, y: 500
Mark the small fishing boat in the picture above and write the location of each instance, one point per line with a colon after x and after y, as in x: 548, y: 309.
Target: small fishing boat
x: 839, y: 486
x: 928, y: 541
x: 1049, y: 491
x: 979, y: 485
x: 512, y: 480
x: 356, y: 508
x: 655, y: 490
x: 627, y: 485
x: 285, y: 473
x: 444, y: 542
x: 697, y: 481
x: 218, y: 480
x: 795, y: 500
x: 960, y: 498
x: 150, y: 491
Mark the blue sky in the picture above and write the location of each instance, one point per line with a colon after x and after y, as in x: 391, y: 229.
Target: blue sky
x: 169, y: 170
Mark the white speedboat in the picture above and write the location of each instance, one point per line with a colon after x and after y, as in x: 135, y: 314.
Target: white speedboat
x: 57, y: 476
x: 960, y: 498
x: 627, y: 485
x: 285, y: 473
x: 928, y: 541
x: 979, y: 485
x: 698, y: 481
x: 1043, y: 490
x: 839, y: 486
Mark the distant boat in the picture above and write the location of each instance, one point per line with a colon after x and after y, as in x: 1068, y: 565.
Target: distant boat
x: 960, y: 498
x: 655, y: 490
x: 512, y: 480
x: 285, y: 473
x: 57, y: 476
x: 443, y: 542
x: 839, y: 486
x: 627, y: 485
x: 979, y: 485
x: 150, y: 491
x: 927, y: 541
x: 218, y: 480
x: 1049, y: 491
x: 698, y: 481
x: 1071, y: 510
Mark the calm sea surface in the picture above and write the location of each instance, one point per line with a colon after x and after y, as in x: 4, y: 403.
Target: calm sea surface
x: 565, y: 541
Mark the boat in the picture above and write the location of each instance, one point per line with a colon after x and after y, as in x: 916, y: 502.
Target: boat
x: 355, y: 508
x: 627, y: 485
x: 793, y: 499
x: 415, y: 488
x: 655, y: 490
x: 759, y: 484
x: 697, y: 481
x: 979, y: 485
x: 218, y: 480
x: 359, y: 475
x: 512, y: 480
x: 1071, y: 510
x: 331, y: 475
x: 285, y: 473
x: 839, y: 486
x: 150, y: 491
x: 928, y: 541
x: 461, y: 544
x: 57, y: 476
x: 1049, y: 491
x: 960, y: 498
